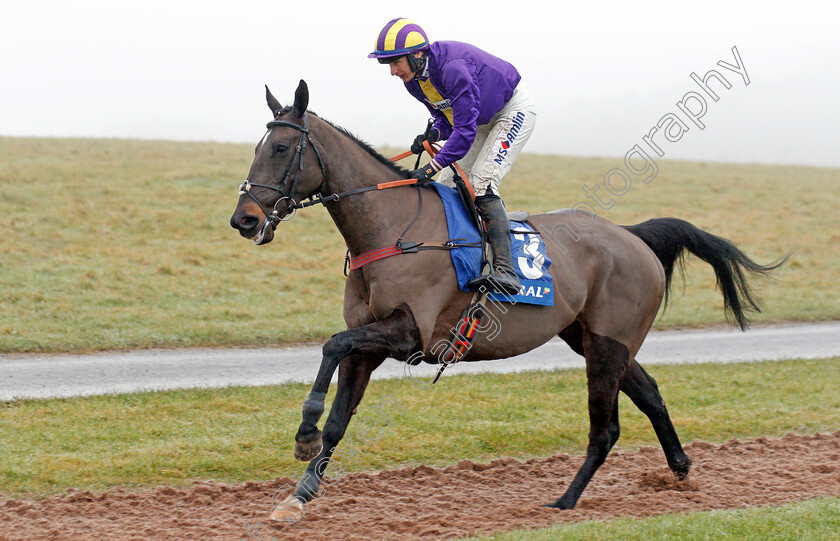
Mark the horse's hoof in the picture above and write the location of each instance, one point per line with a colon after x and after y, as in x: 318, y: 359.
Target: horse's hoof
x: 290, y: 510
x: 559, y: 504
x: 307, y: 450
x: 681, y: 470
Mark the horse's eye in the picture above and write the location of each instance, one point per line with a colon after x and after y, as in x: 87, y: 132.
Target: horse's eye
x: 279, y: 150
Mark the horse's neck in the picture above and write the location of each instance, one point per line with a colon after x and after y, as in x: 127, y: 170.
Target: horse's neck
x: 369, y: 220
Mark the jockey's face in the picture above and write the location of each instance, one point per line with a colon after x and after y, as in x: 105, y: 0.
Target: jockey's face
x: 399, y: 68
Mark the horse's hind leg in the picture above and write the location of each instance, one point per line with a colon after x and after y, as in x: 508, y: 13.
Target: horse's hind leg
x: 606, y: 362
x: 643, y: 391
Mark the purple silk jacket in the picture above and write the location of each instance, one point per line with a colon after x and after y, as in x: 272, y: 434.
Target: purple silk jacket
x: 474, y: 85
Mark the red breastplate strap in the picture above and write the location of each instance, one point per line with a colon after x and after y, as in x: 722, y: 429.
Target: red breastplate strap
x: 361, y: 260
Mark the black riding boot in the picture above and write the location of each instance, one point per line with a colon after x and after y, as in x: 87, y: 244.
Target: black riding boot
x: 497, y: 225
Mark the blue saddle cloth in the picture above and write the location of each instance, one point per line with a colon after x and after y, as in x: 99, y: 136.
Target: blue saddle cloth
x: 529, y: 254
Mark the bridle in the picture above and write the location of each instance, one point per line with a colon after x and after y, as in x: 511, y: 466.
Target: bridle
x: 273, y: 218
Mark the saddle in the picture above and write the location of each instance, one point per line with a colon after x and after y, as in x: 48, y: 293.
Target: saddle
x: 518, y: 216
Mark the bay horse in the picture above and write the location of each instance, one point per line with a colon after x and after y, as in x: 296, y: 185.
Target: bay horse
x: 609, y: 282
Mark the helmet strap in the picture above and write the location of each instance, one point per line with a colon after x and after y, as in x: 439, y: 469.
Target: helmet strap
x: 415, y: 64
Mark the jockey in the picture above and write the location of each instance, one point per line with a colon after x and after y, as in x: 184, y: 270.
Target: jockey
x: 483, y: 111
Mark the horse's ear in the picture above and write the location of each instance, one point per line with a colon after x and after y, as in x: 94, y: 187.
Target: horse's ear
x: 273, y: 104
x: 301, y: 99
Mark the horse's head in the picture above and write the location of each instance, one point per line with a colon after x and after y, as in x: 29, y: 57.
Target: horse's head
x: 286, y: 169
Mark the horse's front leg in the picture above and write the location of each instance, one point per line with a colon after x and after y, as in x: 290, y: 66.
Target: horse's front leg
x: 353, y: 376
x: 396, y: 336
x: 359, y: 351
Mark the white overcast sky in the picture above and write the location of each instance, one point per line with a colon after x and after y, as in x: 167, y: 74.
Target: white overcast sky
x: 603, y: 73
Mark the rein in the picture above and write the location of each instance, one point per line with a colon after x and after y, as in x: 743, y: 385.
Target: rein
x: 273, y: 218
x: 433, y: 149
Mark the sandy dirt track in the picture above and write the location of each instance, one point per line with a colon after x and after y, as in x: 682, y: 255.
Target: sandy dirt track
x: 424, y: 503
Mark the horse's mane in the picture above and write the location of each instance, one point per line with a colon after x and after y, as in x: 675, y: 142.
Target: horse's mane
x: 365, y: 146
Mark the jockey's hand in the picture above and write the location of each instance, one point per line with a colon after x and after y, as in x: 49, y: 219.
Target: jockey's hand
x: 423, y: 175
x: 417, y: 145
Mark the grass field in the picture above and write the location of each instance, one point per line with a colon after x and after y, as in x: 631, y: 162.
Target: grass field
x: 247, y: 433
x: 115, y: 244
x: 817, y: 519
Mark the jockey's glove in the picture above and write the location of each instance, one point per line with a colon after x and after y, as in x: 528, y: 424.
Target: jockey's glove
x: 423, y: 175
x: 417, y: 145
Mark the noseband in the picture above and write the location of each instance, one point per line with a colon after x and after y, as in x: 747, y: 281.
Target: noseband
x: 273, y: 218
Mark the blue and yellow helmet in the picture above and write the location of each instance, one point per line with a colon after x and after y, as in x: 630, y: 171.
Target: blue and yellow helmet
x: 399, y: 37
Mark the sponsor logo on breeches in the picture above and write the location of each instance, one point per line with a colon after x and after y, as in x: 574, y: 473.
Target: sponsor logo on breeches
x: 510, y: 136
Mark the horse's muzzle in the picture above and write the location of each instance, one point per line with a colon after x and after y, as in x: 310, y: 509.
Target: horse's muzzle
x: 252, y: 227
x: 246, y: 224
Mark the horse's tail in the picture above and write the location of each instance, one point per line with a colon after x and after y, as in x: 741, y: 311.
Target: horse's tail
x: 669, y: 238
